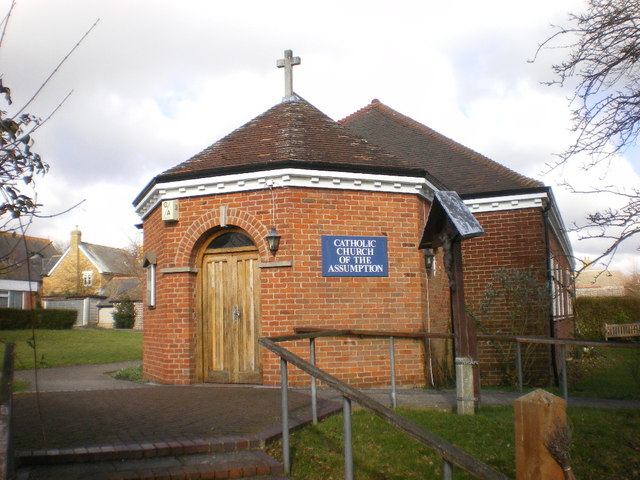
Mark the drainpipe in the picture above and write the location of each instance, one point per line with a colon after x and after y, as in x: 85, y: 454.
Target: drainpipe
x: 545, y: 216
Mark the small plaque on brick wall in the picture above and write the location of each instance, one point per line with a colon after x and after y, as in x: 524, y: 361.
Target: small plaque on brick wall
x: 345, y: 256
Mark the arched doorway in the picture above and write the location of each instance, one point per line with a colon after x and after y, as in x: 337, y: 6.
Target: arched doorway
x: 230, y: 309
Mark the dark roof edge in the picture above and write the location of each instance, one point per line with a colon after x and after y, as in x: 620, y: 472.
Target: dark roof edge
x: 504, y: 193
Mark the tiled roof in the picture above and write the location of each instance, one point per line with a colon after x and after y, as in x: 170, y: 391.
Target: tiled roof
x: 111, y: 260
x: 456, y: 166
x: 119, y: 288
x: 292, y: 134
x: 21, y: 256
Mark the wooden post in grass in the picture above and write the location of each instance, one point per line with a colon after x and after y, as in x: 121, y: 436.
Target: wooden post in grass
x: 537, y: 417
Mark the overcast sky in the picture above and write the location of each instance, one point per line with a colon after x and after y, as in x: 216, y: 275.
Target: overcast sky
x: 158, y: 81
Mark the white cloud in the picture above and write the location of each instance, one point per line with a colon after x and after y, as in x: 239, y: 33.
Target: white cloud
x: 156, y: 82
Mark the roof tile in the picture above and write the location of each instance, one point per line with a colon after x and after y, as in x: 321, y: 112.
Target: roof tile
x: 292, y: 134
x: 456, y: 166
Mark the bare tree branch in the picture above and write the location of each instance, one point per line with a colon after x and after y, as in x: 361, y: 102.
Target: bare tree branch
x: 603, y: 45
x: 55, y: 70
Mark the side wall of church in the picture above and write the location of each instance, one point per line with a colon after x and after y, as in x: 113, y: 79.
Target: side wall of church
x: 511, y: 257
x: 298, y: 295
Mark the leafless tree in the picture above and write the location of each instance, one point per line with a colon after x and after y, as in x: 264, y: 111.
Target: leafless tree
x: 19, y: 163
x: 603, y: 68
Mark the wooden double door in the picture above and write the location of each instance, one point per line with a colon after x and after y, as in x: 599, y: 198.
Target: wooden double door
x: 230, y: 302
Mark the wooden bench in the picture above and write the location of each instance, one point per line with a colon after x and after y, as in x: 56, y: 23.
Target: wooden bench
x: 620, y: 330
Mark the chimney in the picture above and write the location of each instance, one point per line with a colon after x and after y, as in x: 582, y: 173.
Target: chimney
x: 76, y: 238
x: 74, y: 250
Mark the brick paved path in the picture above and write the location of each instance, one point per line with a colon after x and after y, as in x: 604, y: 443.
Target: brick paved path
x: 152, y: 414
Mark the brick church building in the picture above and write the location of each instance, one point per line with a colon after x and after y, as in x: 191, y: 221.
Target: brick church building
x: 348, y: 201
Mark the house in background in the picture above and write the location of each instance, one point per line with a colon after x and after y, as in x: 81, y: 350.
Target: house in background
x: 598, y: 283
x: 23, y: 260
x: 116, y: 290
x: 80, y: 279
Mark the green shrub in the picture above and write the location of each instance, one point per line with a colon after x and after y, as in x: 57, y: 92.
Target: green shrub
x: 515, y: 303
x: 124, y: 315
x: 593, y: 312
x: 50, y: 319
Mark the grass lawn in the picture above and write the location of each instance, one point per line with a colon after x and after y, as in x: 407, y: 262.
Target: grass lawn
x: 57, y: 348
x: 606, y: 373
x: 606, y: 445
x: 600, y: 373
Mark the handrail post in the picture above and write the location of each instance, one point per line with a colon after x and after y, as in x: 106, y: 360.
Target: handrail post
x: 314, y: 393
x: 519, y: 365
x: 284, y: 382
x: 348, y: 442
x: 565, y: 388
x: 447, y: 470
x: 392, y: 354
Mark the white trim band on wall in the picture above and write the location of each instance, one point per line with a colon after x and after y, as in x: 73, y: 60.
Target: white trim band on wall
x: 286, y: 177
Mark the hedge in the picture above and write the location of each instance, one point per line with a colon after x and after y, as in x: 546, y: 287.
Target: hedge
x: 50, y: 319
x: 593, y: 312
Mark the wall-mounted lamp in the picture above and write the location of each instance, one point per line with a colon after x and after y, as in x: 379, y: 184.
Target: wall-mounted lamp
x: 429, y: 260
x: 273, y: 239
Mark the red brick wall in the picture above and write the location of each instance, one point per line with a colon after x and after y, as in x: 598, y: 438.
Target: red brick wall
x: 513, y: 239
x: 299, y: 296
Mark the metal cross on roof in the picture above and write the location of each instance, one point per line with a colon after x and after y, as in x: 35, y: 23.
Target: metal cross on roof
x: 287, y: 63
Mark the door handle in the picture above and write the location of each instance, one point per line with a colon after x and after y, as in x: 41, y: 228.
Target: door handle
x: 236, y: 313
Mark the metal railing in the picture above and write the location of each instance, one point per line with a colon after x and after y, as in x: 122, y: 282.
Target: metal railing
x: 7, y: 459
x: 314, y: 332
x: 562, y: 342
x: 449, y: 454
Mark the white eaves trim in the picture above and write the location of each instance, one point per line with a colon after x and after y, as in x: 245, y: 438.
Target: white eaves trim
x: 507, y: 202
x: 99, y: 266
x: 19, y: 285
x: 53, y: 269
x: 285, y: 177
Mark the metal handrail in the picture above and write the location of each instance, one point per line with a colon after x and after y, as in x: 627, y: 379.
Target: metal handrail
x: 314, y: 332
x: 450, y: 454
x: 309, y: 332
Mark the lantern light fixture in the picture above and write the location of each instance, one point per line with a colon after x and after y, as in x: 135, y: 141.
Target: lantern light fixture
x: 429, y: 260
x: 273, y: 239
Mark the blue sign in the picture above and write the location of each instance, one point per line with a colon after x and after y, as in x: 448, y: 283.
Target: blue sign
x: 344, y: 256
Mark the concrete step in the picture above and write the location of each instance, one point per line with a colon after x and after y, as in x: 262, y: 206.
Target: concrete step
x: 135, y: 451
x: 245, y: 464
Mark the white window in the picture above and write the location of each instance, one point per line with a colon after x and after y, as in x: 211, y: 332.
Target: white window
x: 151, y: 285
x: 15, y: 299
x: 4, y: 298
x: 561, y: 289
x: 87, y: 278
x: 11, y: 299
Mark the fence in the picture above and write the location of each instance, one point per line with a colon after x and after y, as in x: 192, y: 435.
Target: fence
x: 312, y: 332
x: 449, y: 454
